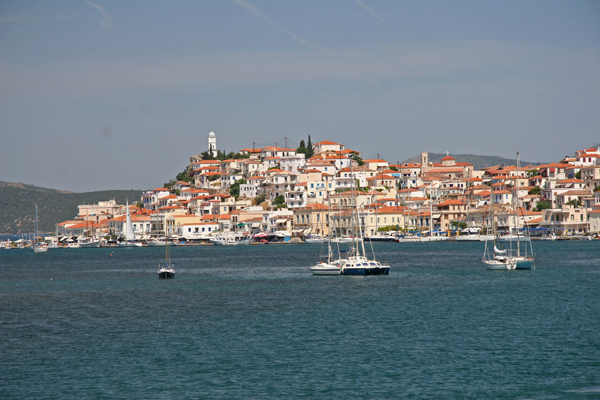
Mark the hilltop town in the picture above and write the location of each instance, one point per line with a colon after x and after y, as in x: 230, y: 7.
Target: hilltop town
x: 310, y: 190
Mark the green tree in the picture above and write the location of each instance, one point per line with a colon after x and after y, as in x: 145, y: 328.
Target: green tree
x: 259, y: 199
x: 393, y: 168
x: 574, y: 202
x: 309, y: 147
x: 578, y: 175
x: 185, y: 175
x: 302, y: 149
x: 207, y: 155
x: 596, y: 189
x: 543, y: 205
x: 234, y: 190
x: 279, y: 201
x: 535, y: 190
x: 356, y: 157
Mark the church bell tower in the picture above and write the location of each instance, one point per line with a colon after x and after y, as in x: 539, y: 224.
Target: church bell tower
x: 212, y: 143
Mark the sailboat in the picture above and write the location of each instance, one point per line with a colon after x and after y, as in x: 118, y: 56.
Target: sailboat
x: 87, y: 239
x: 167, y: 270
x: 507, y: 259
x: 357, y: 262
x: 129, y: 234
x: 328, y: 267
x: 38, y: 248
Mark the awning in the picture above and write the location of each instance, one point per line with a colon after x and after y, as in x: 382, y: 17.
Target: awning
x: 241, y: 224
x: 281, y: 221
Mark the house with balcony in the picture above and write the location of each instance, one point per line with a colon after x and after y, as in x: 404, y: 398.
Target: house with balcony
x: 557, y: 188
x: 252, y: 168
x: 293, y: 163
x: 312, y: 219
x: 565, y: 220
x: 349, y: 177
x: 382, y: 181
x: 296, y: 198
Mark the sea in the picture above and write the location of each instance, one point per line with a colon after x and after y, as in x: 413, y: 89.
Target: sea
x: 251, y: 322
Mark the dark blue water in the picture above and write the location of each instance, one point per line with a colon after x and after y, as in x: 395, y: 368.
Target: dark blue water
x: 250, y: 322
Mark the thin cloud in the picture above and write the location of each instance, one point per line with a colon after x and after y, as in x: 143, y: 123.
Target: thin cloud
x: 252, y: 10
x: 106, y: 23
x: 370, y: 10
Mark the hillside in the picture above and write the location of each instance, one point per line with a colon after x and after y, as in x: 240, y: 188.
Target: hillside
x: 477, y: 161
x: 17, y: 205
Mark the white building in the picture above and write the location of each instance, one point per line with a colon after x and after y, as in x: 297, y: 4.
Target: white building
x: 212, y: 143
x: 292, y: 163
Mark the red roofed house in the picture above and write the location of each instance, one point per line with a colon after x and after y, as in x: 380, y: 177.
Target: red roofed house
x: 326, y: 145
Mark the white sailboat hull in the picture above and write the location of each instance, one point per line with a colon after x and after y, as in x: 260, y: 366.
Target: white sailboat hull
x: 468, y: 238
x: 513, y: 238
x: 326, y: 269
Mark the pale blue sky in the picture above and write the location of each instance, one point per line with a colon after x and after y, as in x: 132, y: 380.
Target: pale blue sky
x: 101, y: 95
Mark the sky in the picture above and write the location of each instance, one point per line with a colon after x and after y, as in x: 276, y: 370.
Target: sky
x: 99, y: 95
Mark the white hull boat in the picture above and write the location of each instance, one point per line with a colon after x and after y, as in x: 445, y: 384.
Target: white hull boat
x: 324, y: 268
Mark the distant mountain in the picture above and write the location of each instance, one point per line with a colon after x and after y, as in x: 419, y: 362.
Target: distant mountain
x: 18, y: 200
x: 477, y: 161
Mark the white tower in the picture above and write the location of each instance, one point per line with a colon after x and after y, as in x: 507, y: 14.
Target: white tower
x: 212, y: 143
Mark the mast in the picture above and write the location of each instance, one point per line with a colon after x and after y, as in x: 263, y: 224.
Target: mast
x: 129, y: 234
x: 516, y: 196
x: 35, y: 230
x: 493, y: 216
x: 430, y: 212
x: 167, y: 251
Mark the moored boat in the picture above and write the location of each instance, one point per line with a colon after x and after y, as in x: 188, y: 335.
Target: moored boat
x: 166, y: 271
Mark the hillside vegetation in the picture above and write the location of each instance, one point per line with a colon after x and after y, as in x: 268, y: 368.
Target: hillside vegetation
x: 18, y: 200
x: 477, y: 161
